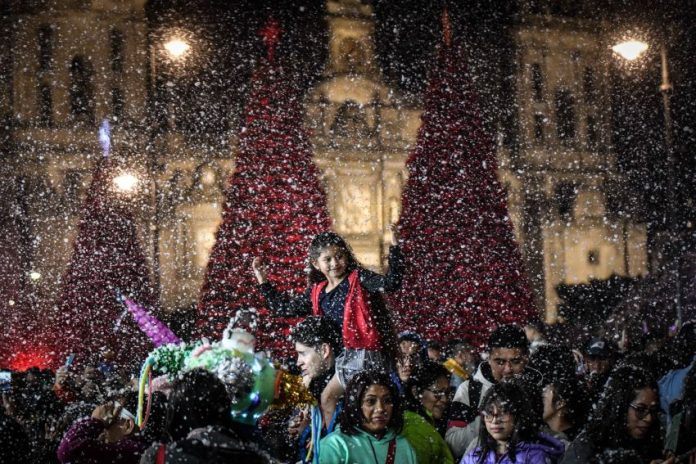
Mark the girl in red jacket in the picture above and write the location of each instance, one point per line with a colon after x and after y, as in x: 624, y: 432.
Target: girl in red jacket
x: 349, y: 296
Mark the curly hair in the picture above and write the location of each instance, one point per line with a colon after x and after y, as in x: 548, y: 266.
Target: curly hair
x: 351, y: 418
x: 510, y: 397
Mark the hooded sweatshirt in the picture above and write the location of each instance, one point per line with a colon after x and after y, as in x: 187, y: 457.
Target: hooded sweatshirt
x: 208, y: 445
x: 459, y: 438
x: 544, y: 450
x: 429, y: 446
x: 364, y: 448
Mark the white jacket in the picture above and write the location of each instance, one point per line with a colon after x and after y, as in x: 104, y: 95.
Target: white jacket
x: 460, y: 439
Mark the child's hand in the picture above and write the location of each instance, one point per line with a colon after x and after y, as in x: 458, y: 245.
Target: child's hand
x: 259, y: 270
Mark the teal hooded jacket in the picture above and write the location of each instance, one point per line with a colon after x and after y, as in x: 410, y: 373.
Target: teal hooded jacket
x: 364, y: 448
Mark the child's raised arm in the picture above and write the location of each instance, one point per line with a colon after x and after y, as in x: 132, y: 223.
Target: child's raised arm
x: 280, y: 304
x: 391, y: 281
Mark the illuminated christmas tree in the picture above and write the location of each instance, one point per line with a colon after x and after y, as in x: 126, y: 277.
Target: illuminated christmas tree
x: 464, y: 271
x: 273, y: 208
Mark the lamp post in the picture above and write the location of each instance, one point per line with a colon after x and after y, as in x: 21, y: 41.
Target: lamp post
x: 173, y: 48
x: 632, y: 50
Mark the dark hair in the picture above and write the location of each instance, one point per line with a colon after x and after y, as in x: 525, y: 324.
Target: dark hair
x: 325, y: 240
x: 155, y: 428
x: 434, y: 344
x: 408, y: 336
x: 198, y: 399
x: 316, y: 330
x: 568, y: 390
x: 352, y: 418
x: 508, y: 336
x: 422, y: 377
x: 553, y: 362
x: 427, y: 374
x: 607, y: 423
x: 460, y: 346
x: 510, y: 397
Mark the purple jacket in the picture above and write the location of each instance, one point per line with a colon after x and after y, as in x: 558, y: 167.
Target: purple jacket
x: 545, y: 450
x: 81, y: 445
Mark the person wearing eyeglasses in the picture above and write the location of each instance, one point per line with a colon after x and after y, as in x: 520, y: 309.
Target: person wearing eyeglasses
x: 426, y: 404
x: 510, y: 434
x: 508, y: 353
x: 626, y: 418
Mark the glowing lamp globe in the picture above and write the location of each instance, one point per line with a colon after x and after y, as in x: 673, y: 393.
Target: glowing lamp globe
x: 177, y: 48
x: 630, y: 49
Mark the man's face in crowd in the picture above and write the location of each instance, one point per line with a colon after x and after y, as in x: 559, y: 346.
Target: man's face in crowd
x: 507, y: 363
x: 597, y: 366
x: 310, y: 362
x: 405, y: 366
x: 408, y: 347
x: 465, y: 358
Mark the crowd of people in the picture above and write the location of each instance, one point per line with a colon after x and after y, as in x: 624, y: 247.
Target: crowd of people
x: 380, y: 396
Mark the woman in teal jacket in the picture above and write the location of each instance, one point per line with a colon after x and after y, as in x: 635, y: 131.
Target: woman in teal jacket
x: 369, y: 426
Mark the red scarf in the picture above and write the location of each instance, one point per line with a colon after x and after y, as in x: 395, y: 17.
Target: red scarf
x: 359, y: 330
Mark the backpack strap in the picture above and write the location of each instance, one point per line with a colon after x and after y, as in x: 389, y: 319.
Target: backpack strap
x: 462, y: 414
x: 161, y: 451
x: 475, y: 388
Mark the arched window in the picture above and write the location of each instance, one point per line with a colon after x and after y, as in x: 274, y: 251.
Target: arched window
x: 81, y: 93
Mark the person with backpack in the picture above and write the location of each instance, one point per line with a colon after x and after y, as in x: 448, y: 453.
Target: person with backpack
x: 200, y: 426
x: 508, y: 352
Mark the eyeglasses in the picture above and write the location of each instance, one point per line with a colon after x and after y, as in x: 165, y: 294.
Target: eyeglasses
x: 490, y: 416
x: 439, y: 394
x: 642, y: 411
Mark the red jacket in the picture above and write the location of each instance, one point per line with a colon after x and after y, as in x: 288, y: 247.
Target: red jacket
x: 359, y: 329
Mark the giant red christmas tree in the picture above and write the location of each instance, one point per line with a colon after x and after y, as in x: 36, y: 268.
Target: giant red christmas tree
x: 106, y: 260
x: 273, y: 207
x: 463, y: 268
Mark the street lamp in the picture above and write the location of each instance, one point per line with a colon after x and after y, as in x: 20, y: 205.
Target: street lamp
x: 126, y: 182
x: 177, y: 48
x: 172, y: 49
x: 632, y: 50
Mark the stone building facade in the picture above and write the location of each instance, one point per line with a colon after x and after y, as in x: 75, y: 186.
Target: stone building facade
x: 75, y: 63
